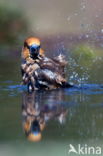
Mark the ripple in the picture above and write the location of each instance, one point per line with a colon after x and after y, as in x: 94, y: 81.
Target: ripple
x: 87, y: 89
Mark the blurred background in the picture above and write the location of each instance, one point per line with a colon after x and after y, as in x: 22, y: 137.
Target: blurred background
x: 70, y: 27
x: 50, y: 19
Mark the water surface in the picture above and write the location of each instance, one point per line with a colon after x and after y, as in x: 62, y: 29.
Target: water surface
x: 82, y: 107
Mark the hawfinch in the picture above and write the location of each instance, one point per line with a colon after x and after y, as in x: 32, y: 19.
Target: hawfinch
x: 39, y: 71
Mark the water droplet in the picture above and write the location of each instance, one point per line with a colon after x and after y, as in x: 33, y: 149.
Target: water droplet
x: 96, y: 16
x: 86, y: 35
x: 69, y: 18
x: 101, y: 30
x: 76, y: 14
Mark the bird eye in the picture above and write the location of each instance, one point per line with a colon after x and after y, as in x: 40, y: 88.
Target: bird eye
x: 26, y: 45
x: 38, y: 47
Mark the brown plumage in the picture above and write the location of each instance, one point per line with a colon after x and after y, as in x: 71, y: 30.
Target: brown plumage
x: 39, y: 71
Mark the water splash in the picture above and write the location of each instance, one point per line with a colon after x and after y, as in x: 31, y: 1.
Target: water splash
x: 85, y: 66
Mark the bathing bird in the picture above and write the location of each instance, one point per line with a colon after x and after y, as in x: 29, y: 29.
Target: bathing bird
x: 39, y: 71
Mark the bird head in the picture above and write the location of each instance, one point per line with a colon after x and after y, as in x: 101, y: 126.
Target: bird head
x: 33, y: 130
x: 32, y: 48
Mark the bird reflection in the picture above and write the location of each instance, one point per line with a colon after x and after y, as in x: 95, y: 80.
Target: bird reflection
x: 40, y: 107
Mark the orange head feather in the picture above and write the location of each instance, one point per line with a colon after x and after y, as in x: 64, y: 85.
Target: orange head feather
x: 31, y: 47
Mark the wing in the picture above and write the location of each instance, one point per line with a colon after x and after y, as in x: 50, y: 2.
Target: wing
x: 60, y: 59
x: 55, y: 65
x: 46, y: 75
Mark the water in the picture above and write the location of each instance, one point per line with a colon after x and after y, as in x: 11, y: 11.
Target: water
x: 72, y: 116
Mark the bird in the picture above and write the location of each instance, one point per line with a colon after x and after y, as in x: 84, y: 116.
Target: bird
x: 32, y: 118
x: 40, y: 71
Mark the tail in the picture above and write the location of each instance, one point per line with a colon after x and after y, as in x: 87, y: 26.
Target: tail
x: 66, y: 85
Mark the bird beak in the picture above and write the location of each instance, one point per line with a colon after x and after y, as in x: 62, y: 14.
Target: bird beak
x: 35, y: 127
x: 34, y: 50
